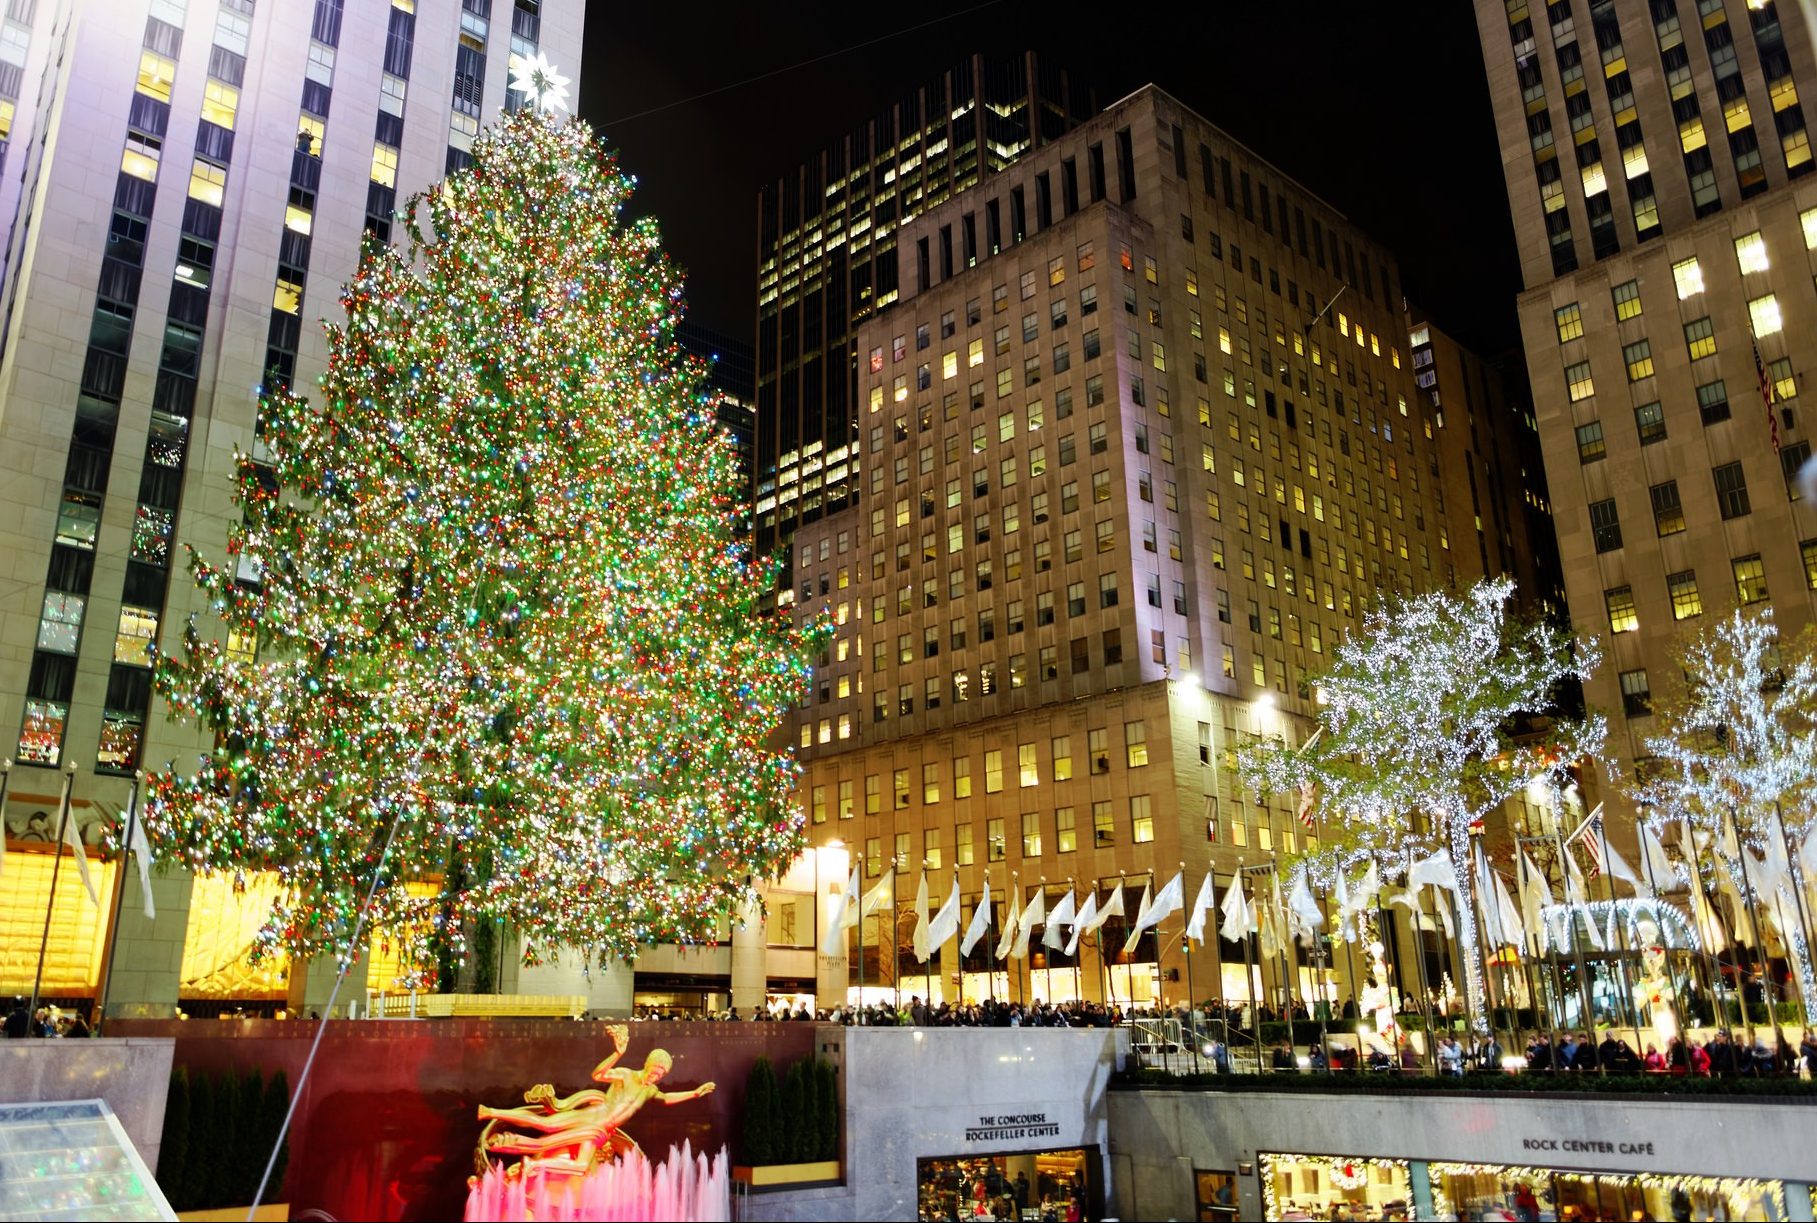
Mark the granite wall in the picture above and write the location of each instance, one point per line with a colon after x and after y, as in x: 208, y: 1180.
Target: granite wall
x: 131, y: 1073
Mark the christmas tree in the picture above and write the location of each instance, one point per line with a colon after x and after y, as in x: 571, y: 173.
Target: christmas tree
x: 501, y: 658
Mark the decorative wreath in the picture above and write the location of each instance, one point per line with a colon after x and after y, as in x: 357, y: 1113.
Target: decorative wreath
x: 1348, y: 1175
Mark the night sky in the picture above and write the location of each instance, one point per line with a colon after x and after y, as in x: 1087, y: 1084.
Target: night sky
x: 1382, y: 111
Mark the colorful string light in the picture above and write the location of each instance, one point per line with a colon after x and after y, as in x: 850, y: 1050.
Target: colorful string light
x: 501, y: 600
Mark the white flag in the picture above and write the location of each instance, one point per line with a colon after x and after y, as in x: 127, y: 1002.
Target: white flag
x: 1575, y: 891
x: 141, y: 848
x: 1619, y: 869
x: 1653, y: 856
x: 1011, y: 922
x: 1535, y: 899
x: 1088, y: 912
x: 1513, y: 923
x: 1305, y: 910
x: 73, y: 838
x: 1436, y: 871
x: 922, y: 949
x: 1238, y: 919
x: 1270, y: 940
x: 843, y: 917
x: 981, y: 920
x: 1142, y: 922
x: 945, y: 923
x: 1112, y: 908
x: 881, y: 895
x: 1195, y: 925
x: 1058, y: 923
x: 1168, y: 901
x: 1033, y: 914
x: 1709, y: 927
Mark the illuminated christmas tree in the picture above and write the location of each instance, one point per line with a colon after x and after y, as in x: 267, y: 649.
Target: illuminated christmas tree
x: 1427, y: 726
x: 501, y: 642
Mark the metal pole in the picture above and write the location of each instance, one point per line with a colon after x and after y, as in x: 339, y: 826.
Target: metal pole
x: 1192, y: 999
x: 1078, y: 982
x: 1249, y: 984
x: 1797, y: 882
x: 1760, y: 942
x: 119, y: 897
x: 50, y: 904
x: 1713, y: 965
x: 1629, y: 1009
x: 1418, y: 911
x: 1586, y: 1012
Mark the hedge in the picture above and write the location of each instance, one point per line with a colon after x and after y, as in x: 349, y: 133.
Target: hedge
x: 218, y: 1133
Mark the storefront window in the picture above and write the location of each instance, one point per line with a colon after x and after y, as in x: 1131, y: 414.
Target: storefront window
x: 1335, y: 1187
x: 1217, y: 1196
x: 1044, y: 1187
x: 1492, y: 1192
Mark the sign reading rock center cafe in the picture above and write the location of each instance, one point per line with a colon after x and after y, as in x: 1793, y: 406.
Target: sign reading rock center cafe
x: 1588, y: 1146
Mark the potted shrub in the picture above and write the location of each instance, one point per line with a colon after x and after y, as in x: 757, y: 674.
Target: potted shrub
x: 791, y: 1133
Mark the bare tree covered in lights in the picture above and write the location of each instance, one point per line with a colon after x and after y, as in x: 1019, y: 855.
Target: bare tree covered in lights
x: 1736, y: 757
x: 1417, y: 741
x: 506, y: 641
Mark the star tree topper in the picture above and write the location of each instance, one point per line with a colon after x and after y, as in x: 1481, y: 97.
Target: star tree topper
x: 535, y: 76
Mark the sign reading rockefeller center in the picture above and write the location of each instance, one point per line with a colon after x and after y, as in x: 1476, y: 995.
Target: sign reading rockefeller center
x: 1011, y: 1126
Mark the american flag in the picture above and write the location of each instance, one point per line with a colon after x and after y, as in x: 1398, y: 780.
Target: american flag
x: 1590, y: 834
x: 1309, y: 793
x: 1766, y: 396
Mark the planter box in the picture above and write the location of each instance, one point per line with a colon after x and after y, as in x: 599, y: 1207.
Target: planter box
x: 278, y: 1212
x: 779, y: 1176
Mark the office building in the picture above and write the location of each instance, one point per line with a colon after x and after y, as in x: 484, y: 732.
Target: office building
x: 732, y: 374
x: 197, y: 177
x: 827, y: 239
x: 1127, y: 479
x: 1657, y: 161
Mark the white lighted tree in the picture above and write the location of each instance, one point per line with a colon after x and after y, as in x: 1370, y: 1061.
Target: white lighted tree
x: 1736, y: 755
x: 1438, y: 711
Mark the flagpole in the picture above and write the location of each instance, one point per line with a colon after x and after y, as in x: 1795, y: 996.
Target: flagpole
x: 1192, y: 1003
x: 1586, y: 1013
x: 1760, y: 942
x: 119, y: 898
x: 1078, y: 984
x: 69, y: 776
x: 1418, y: 911
x: 1646, y: 864
x: 1011, y: 978
x: 1794, y: 880
x: 1621, y: 935
x: 1251, y: 974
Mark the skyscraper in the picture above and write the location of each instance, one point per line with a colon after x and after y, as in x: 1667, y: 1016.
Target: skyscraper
x: 197, y: 176
x: 1129, y: 476
x: 1657, y: 160
x: 827, y: 236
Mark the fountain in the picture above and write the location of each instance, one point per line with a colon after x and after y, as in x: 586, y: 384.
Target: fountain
x: 685, y: 1186
x: 578, y: 1163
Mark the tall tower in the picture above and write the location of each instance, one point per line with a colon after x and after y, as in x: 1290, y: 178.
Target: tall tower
x: 197, y: 177
x: 827, y: 237
x: 1658, y: 160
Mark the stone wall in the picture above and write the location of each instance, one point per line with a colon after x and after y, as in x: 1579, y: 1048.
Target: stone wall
x: 132, y: 1074
x: 1159, y: 1137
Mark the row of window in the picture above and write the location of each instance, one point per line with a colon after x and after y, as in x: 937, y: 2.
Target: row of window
x: 1748, y: 574
x: 64, y: 611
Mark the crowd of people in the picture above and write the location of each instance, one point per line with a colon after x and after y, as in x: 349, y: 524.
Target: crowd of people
x: 22, y: 1021
x: 915, y: 1013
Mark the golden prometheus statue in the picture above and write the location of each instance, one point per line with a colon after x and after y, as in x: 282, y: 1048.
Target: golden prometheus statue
x: 573, y: 1133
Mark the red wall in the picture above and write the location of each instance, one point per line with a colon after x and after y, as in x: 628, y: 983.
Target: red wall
x: 385, y: 1127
